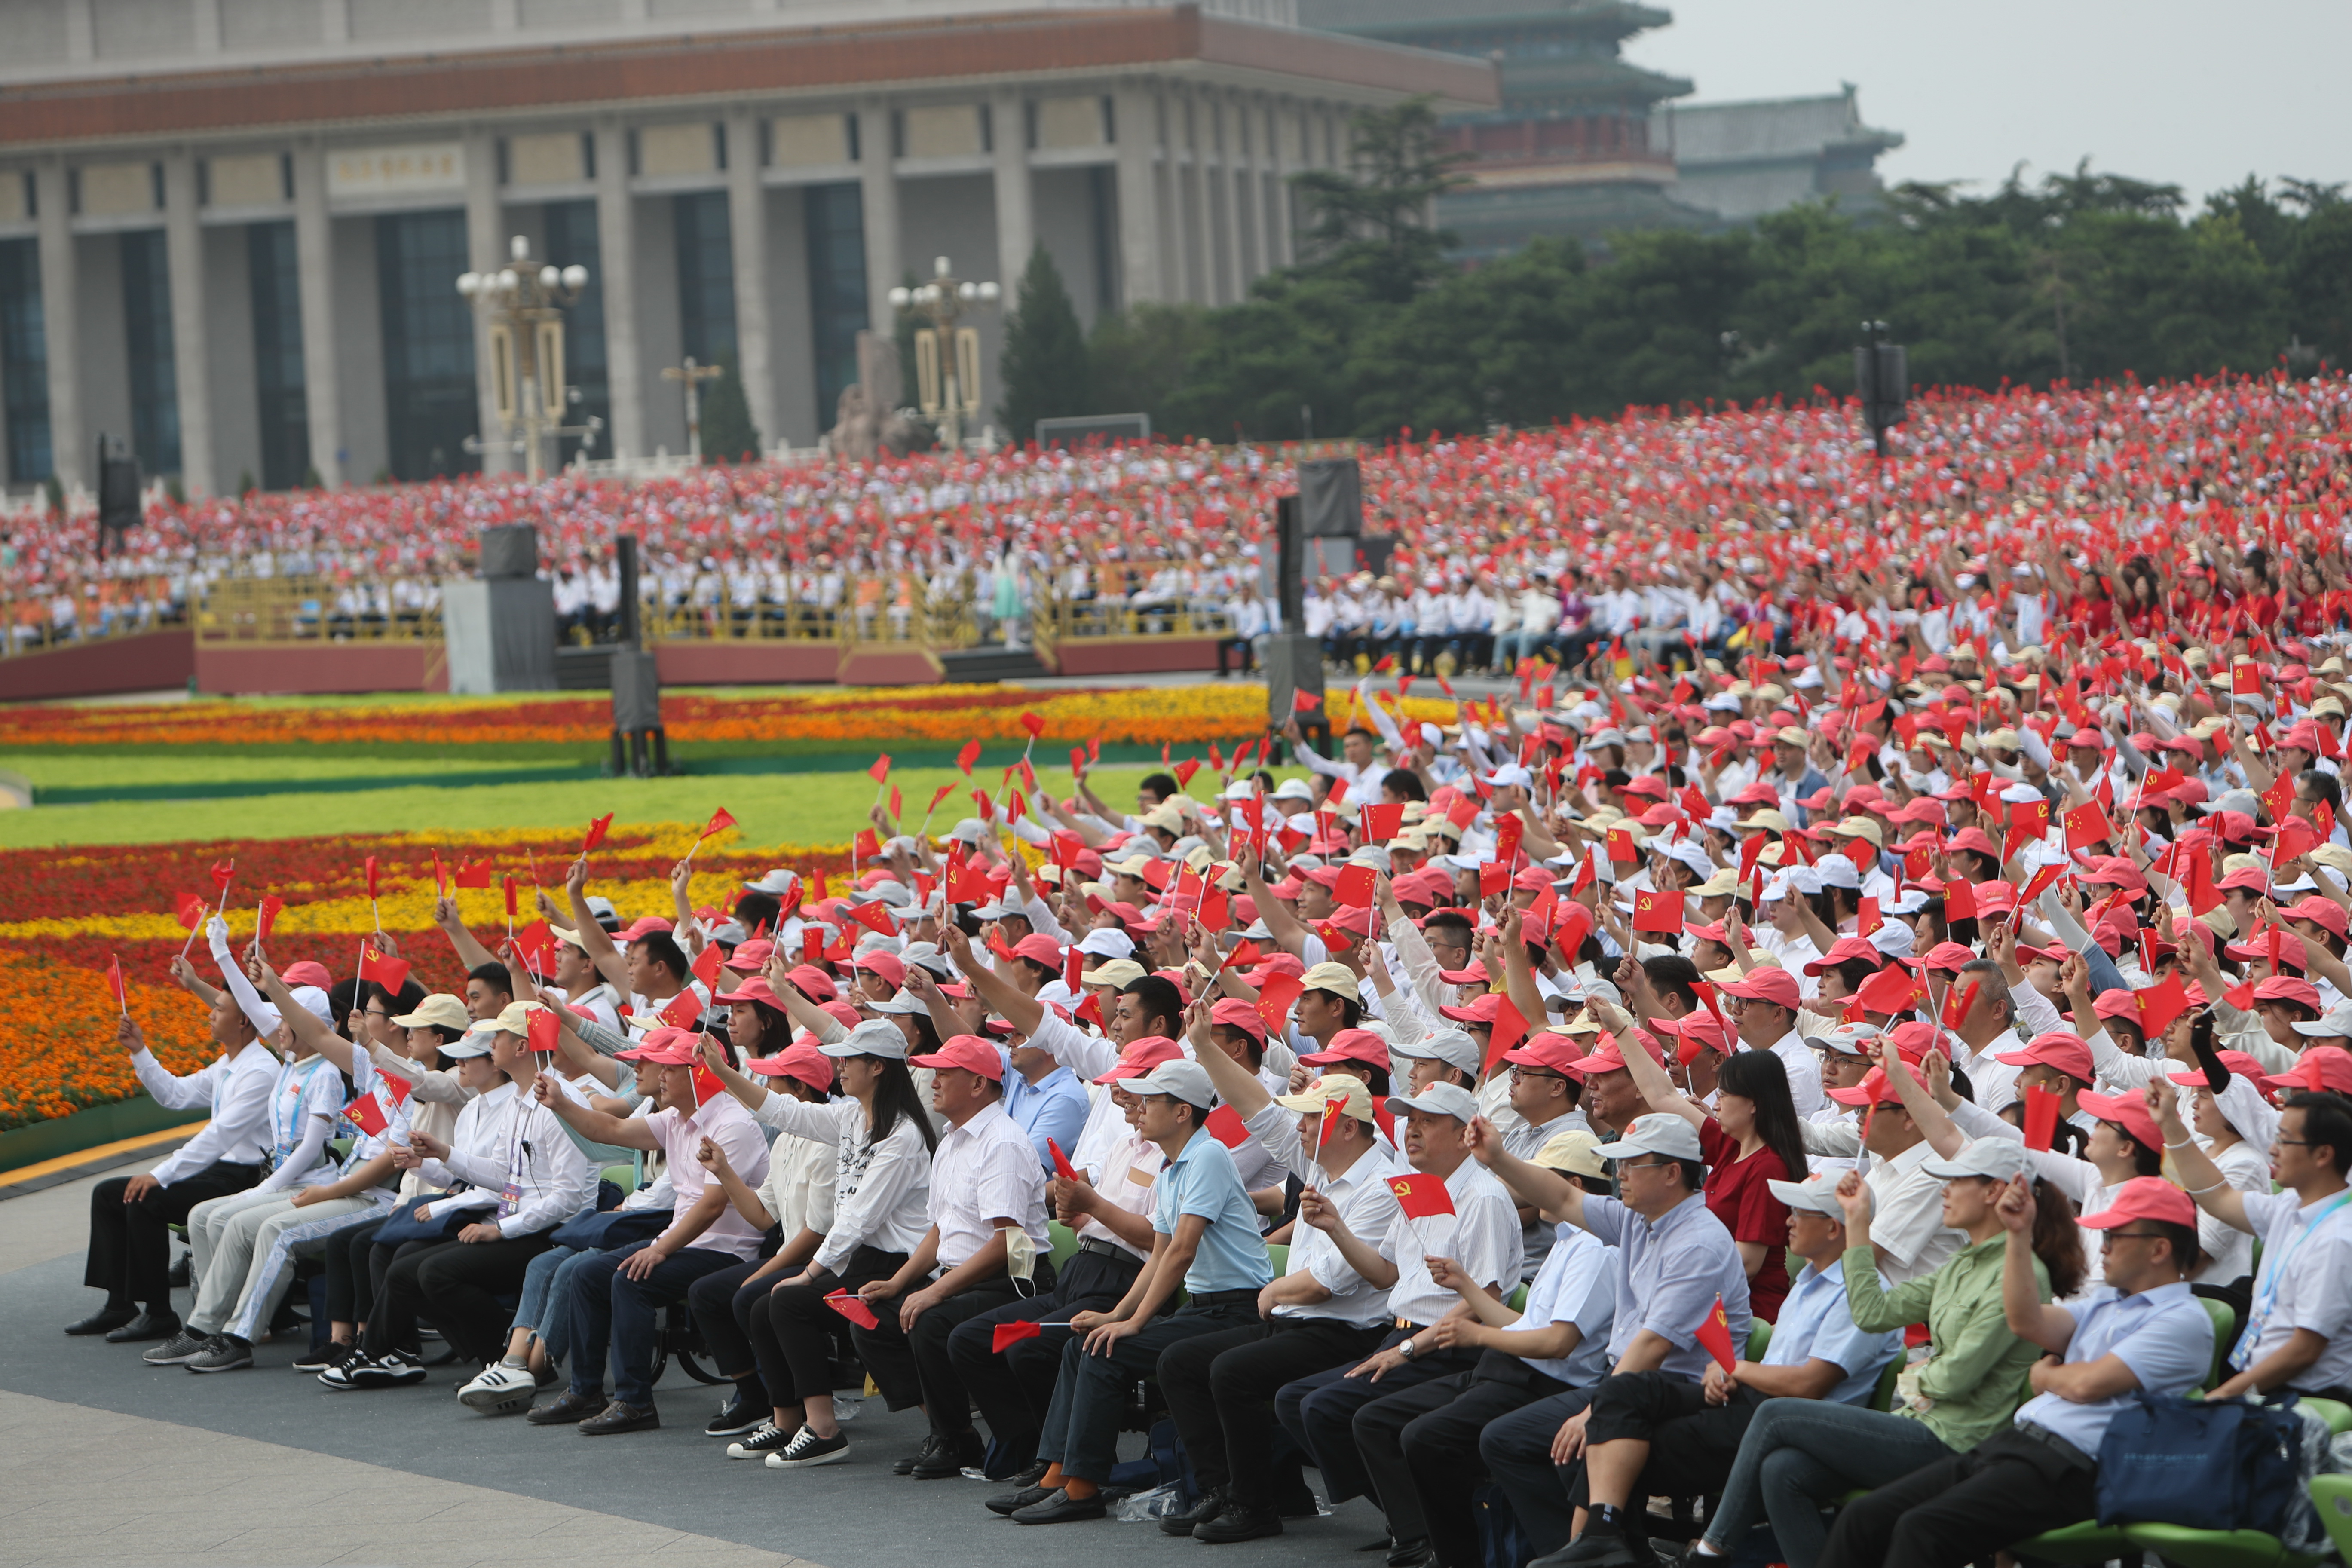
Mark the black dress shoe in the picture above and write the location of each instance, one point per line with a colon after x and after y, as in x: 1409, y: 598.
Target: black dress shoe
x: 1237, y: 1523
x: 1060, y: 1507
x: 1007, y: 1504
x: 145, y: 1326
x: 619, y: 1417
x: 566, y: 1408
x: 106, y: 1320
x: 951, y: 1458
x: 927, y: 1454
x: 1409, y: 1554
x: 1212, y: 1503
x: 1596, y: 1547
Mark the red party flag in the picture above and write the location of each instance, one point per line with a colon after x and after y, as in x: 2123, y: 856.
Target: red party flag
x: 1957, y: 1008
x: 1062, y: 1166
x: 706, y: 1083
x: 1960, y: 901
x: 372, y: 879
x: 1866, y: 915
x: 2159, y: 1005
x: 1715, y: 1335
x: 1381, y: 823
x: 680, y: 1011
x: 596, y: 831
x: 1306, y: 701
x: 471, y: 874
x: 1004, y: 1336
x: 266, y: 917
x: 720, y: 820
x: 546, y: 1030
x: 1274, y: 1000
x: 191, y: 911
x: 880, y: 770
x: 939, y: 794
x: 388, y: 972
x: 1355, y: 887
x: 1422, y: 1196
x: 854, y: 1309
x: 1658, y: 911
x: 1224, y: 1124
x: 114, y: 984
x: 1032, y: 723
x: 366, y: 1113
x: 2040, y: 1117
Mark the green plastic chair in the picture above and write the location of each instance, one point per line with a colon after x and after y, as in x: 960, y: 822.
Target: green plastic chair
x: 1760, y: 1338
x: 1881, y: 1398
x: 1278, y: 1256
x: 1517, y: 1299
x: 1065, y: 1242
x: 623, y: 1176
x: 2225, y: 1334
x: 2086, y: 1543
x: 2332, y: 1496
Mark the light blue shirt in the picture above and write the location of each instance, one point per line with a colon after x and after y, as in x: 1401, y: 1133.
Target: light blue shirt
x: 1201, y: 1180
x: 1577, y: 1284
x: 2164, y: 1335
x: 1669, y: 1274
x: 1817, y: 1324
x: 1054, y: 1107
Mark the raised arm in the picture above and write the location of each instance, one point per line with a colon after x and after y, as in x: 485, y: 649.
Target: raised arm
x: 594, y: 937
x: 470, y: 951
x: 1553, y: 1196
x: 594, y: 1125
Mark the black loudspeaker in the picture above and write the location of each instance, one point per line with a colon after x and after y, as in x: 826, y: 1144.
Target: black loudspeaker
x: 511, y: 550
x: 636, y: 692
x: 118, y: 491
x: 624, y: 563
x: 1290, y: 564
x: 1331, y: 497
x: 1293, y: 663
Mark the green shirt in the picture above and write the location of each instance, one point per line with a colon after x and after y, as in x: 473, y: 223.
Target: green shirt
x: 1977, y: 1373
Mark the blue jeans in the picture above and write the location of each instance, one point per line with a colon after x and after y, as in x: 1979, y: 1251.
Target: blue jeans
x: 608, y: 1308
x: 1799, y: 1456
x: 538, y: 1281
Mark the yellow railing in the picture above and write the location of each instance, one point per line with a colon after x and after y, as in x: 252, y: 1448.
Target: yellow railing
x: 309, y: 609
x: 32, y: 622
x: 1060, y: 620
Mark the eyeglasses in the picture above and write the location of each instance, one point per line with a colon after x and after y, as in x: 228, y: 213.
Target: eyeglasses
x: 1518, y: 1073
x: 1623, y: 1165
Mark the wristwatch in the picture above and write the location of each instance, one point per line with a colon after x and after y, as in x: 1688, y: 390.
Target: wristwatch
x: 1405, y: 1350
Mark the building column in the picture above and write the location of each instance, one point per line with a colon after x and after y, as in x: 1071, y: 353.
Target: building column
x: 747, y: 227
x: 1185, y: 218
x: 486, y: 251
x: 1139, y: 280
x: 1233, y: 169
x: 184, y: 243
x: 878, y: 189
x: 617, y: 248
x: 60, y: 310
x: 1016, y: 200
x: 314, y: 262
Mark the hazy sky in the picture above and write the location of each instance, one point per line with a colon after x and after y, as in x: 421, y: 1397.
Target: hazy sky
x: 2188, y: 93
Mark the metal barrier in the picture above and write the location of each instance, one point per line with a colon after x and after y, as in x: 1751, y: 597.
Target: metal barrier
x: 33, y: 623
x: 314, y: 610
x: 1066, y: 620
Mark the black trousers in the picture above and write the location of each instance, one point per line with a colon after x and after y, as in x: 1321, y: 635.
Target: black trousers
x: 791, y: 1329
x: 1011, y: 1390
x: 351, y: 1290
x: 1692, y: 1443
x: 913, y: 1368
x: 721, y: 1304
x: 1220, y: 1390
x: 1420, y: 1445
x: 458, y: 1286
x: 1968, y: 1506
x: 1319, y: 1411
x: 391, y: 1322
x: 129, y: 1254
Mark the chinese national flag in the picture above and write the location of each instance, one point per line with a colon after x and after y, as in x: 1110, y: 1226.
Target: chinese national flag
x: 1306, y: 701
x: 546, y: 1030
x: 867, y: 845
x: 397, y: 1086
x: 1224, y: 1124
x: 1004, y: 1336
x: 191, y: 911
x: 512, y: 907
x: 1274, y: 1000
x: 1355, y: 887
x: 968, y: 755
x: 388, y: 972
x: 705, y: 963
x: 374, y: 882
x: 366, y: 1113
x: 1422, y: 1196
x: 1507, y: 834
x: 471, y: 874
x: 1035, y: 723
x: 1184, y: 772
x: 880, y: 770
x: 114, y: 984
x: 536, y: 942
x: 706, y: 1083
x: 873, y: 916
x: 596, y: 831
x: 851, y: 1307
x: 720, y: 821
x: 1658, y: 911
x: 1715, y: 1336
x: 1494, y: 876
x: 1380, y: 823
x: 2040, y: 1117
x: 2087, y: 824
x: 680, y: 1011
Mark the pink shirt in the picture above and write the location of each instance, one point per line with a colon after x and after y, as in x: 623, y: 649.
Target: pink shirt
x: 725, y: 1123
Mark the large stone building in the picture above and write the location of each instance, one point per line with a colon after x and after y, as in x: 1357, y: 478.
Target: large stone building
x: 231, y: 229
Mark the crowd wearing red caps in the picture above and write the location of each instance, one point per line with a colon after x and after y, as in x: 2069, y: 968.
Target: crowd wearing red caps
x: 1958, y: 922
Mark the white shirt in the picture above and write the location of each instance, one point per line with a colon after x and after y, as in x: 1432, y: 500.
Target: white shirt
x: 985, y: 1169
x: 2304, y: 1282
x: 237, y: 1088
x: 1908, y: 1223
x: 1482, y: 1235
x: 881, y: 1191
x: 1804, y: 1072
x: 518, y: 1154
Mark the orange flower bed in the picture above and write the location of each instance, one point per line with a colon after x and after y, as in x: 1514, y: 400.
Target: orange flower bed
x: 59, y: 1053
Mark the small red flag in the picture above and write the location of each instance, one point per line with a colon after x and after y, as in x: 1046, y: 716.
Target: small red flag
x: 2040, y: 1117
x: 222, y: 871
x: 1715, y: 1336
x: 366, y: 1113
x: 968, y: 756
x: 880, y: 770
x: 596, y: 831
x: 191, y: 910
x: 706, y: 963
x: 1508, y: 1030
x: 680, y: 1011
x: 1380, y: 823
x: 1658, y: 911
x: 2087, y: 824
x: 1034, y: 724
x: 1355, y: 887
x: 512, y: 902
x: 546, y: 1030
x: 1184, y: 772
x: 706, y: 1083
x: 389, y: 972
x: 1960, y: 901
x: 1224, y: 1124
x: 372, y: 879
x: 873, y: 916
x: 2159, y: 1005
x: 854, y: 1309
x: 397, y: 1085
x: 471, y: 874
x: 898, y: 803
x: 266, y: 917
x: 720, y: 820
x: 1957, y: 1008
x: 440, y: 880
x: 114, y: 984
x: 1306, y: 701
x: 1004, y: 1336
x: 536, y: 942
x: 1274, y: 1000
x: 1062, y: 1166
x: 1422, y: 1196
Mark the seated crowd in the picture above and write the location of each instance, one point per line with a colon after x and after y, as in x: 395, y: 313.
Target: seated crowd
x: 1447, y: 1123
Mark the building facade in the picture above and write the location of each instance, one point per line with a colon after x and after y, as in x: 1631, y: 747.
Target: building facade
x: 230, y: 230
x: 1740, y: 161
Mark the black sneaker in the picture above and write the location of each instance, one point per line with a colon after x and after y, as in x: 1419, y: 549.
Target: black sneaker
x: 179, y: 1350
x: 951, y: 1457
x: 1239, y: 1521
x: 225, y: 1353
x: 1212, y: 1503
x: 769, y: 1438
x: 330, y: 1353
x: 735, y: 1418
x: 807, y: 1448
x: 927, y: 1454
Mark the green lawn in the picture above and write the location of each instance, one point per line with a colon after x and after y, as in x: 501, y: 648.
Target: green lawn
x: 772, y: 809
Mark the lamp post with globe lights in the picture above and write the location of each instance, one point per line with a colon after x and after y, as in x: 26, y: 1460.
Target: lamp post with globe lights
x: 947, y: 356
x: 525, y: 305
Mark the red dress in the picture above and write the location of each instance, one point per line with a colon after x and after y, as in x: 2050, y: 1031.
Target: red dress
x: 1736, y: 1195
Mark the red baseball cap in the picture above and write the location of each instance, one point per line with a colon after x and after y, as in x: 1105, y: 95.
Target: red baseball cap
x: 1875, y: 1089
x: 1944, y: 958
x: 811, y: 982
x: 1041, y: 948
x: 2287, y: 988
x: 1844, y: 950
x: 1557, y: 1052
x: 2127, y: 1111
x: 888, y: 965
x: 1359, y: 1046
x: 2240, y: 1064
x: 2059, y: 1049
x: 968, y: 1052
x: 1972, y: 838
x: 2145, y: 1197
x: 1480, y: 1010
x: 1610, y: 1056
x: 2320, y: 911
x: 755, y: 989
x: 1234, y: 1013
x: 310, y: 971
x: 800, y: 1060
x: 1777, y: 987
x: 682, y: 1047
x: 1142, y: 1055
x: 643, y: 927
x: 2323, y: 1067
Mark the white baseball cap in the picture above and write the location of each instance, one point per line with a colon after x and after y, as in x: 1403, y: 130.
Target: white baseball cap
x: 1446, y: 1100
x: 1660, y: 1132
x: 2002, y: 1159
x: 1187, y: 1081
x: 1817, y: 1193
x: 1454, y: 1048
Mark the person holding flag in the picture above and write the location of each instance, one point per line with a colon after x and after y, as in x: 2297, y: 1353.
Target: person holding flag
x: 615, y: 1295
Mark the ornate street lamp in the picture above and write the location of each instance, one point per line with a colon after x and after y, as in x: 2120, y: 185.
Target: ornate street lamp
x: 525, y: 306
x: 947, y: 356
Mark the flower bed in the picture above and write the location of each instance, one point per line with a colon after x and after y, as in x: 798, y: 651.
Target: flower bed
x: 1184, y: 715
x: 76, y: 910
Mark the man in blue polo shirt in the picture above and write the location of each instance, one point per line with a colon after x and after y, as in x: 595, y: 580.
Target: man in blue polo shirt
x: 1205, y: 1239
x: 2139, y: 1329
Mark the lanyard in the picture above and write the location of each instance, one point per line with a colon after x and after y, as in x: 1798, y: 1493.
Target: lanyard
x: 298, y: 1091
x: 2274, y: 1270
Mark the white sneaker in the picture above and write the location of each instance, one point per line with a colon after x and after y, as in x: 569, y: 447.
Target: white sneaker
x: 499, y: 1390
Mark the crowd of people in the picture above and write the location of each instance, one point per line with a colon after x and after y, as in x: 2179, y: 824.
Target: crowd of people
x: 1954, y: 980
x: 1652, y: 532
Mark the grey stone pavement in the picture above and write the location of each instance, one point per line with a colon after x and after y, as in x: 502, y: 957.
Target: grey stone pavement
x: 113, y: 1464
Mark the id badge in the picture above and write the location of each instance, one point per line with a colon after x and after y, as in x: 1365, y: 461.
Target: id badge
x: 511, y: 1200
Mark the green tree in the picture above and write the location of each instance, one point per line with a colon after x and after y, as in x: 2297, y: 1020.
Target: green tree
x: 1136, y: 360
x: 1377, y: 216
x: 1044, y: 364
x: 728, y: 433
